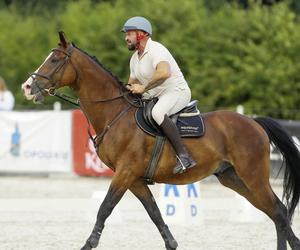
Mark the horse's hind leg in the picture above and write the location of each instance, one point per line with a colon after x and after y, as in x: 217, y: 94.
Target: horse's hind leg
x: 264, y: 199
x: 277, y: 211
x: 143, y: 193
x: 286, y: 227
x: 293, y: 240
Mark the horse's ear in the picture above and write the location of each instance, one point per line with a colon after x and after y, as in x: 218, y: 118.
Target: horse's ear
x: 62, y: 39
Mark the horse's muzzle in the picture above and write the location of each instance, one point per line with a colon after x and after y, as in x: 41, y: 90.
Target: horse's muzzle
x: 27, y: 91
x: 32, y: 92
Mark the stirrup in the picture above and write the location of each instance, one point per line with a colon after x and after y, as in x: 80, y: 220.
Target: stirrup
x: 181, y: 166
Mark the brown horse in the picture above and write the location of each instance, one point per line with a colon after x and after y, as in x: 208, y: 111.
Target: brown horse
x: 240, y: 142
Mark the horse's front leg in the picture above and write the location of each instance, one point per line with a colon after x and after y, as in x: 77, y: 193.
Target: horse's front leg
x: 120, y: 183
x: 143, y: 193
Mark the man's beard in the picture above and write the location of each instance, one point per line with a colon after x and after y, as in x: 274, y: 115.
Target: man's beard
x: 131, y: 47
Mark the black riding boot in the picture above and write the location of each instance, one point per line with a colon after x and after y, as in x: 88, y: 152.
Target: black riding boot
x: 184, y: 161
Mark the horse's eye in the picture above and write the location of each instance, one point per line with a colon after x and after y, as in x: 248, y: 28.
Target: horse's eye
x: 54, y: 60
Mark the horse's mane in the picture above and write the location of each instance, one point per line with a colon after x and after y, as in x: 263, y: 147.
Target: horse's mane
x: 135, y: 98
x: 95, y: 59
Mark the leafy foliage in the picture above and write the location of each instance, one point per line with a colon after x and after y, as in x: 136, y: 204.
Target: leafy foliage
x: 229, y: 55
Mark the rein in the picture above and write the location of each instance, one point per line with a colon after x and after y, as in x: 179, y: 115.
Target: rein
x: 137, y: 102
x: 98, y: 139
x: 51, y: 91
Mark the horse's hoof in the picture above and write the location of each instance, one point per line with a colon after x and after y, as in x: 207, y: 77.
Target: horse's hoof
x: 170, y: 248
x: 172, y: 245
x: 86, y: 247
x: 93, y: 241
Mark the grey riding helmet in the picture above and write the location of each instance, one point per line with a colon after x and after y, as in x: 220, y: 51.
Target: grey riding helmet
x: 137, y: 23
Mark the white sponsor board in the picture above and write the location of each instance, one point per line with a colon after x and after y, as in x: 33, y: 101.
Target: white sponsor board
x: 180, y: 204
x: 35, y: 141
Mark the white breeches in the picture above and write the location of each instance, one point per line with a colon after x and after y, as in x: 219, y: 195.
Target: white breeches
x: 170, y: 102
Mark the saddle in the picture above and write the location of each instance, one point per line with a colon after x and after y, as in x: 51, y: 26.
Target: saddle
x: 188, y: 120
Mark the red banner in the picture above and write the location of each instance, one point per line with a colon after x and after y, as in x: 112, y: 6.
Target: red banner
x: 85, y: 159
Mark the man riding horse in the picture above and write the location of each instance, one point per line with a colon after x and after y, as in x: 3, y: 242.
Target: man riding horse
x: 235, y: 148
x: 155, y: 73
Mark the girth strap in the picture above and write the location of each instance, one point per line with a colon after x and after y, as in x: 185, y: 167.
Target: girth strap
x: 156, y: 153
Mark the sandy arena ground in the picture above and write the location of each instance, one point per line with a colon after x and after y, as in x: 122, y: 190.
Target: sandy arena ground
x: 57, y: 213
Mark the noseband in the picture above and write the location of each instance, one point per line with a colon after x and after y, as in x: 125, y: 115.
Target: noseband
x: 60, y: 67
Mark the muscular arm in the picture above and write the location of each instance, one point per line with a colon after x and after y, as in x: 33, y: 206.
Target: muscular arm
x: 161, y: 73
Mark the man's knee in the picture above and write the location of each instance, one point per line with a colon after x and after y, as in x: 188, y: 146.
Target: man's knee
x: 157, y: 115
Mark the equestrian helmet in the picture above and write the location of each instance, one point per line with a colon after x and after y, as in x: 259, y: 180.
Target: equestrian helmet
x: 137, y: 23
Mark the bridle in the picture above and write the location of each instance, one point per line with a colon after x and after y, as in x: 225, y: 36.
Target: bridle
x: 52, y: 91
x: 60, y: 67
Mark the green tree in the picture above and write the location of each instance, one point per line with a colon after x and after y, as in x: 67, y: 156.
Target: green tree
x: 229, y: 55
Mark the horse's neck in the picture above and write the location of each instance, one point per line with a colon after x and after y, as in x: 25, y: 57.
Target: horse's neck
x: 95, y: 84
x: 94, y: 81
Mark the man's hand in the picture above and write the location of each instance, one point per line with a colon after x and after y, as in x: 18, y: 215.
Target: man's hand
x: 136, y: 88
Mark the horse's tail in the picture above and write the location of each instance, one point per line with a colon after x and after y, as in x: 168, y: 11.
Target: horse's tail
x: 284, y: 142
